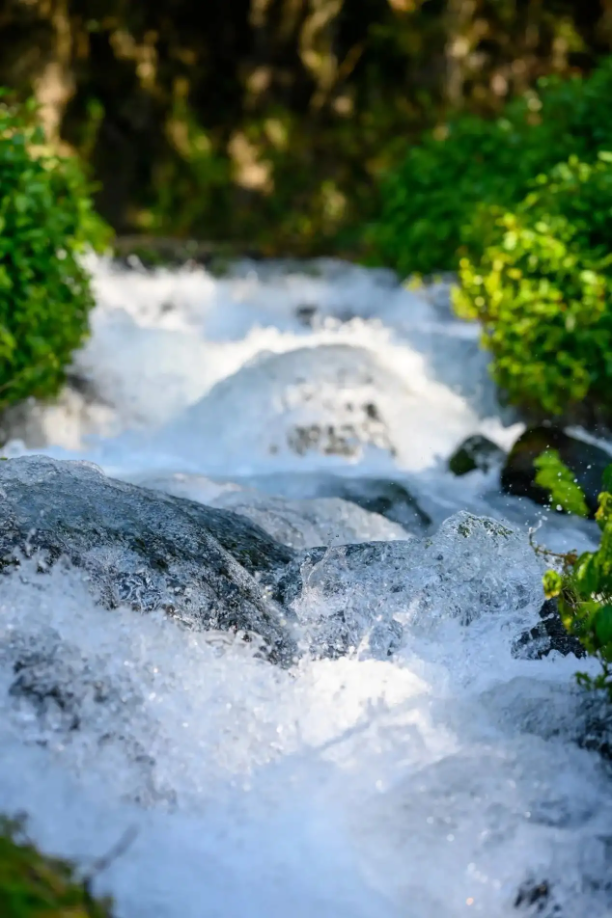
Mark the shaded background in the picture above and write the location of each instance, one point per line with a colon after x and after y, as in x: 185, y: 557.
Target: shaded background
x: 266, y: 123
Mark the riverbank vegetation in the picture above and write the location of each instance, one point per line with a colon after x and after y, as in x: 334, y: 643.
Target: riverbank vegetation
x: 34, y: 885
x: 521, y: 207
x: 46, y: 221
x: 269, y: 123
x: 582, y: 584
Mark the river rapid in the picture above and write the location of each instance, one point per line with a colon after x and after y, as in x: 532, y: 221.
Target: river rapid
x: 445, y: 780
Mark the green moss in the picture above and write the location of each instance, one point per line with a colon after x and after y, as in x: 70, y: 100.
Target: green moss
x: 469, y: 524
x: 34, y: 885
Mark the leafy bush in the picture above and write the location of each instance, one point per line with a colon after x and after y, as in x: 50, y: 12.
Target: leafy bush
x: 583, y: 585
x: 33, y: 885
x: 429, y: 203
x: 46, y: 220
x: 542, y: 289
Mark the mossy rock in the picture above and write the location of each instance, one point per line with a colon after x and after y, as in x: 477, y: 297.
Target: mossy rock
x: 587, y: 462
x: 35, y: 885
x: 477, y: 452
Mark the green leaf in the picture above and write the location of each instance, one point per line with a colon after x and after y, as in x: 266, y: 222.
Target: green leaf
x: 585, y: 575
x: 603, y: 624
x: 553, y: 475
x: 607, y: 479
x: 553, y: 584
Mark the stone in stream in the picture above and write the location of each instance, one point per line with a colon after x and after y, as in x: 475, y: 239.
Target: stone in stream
x: 383, y: 496
x: 548, y: 635
x: 586, y: 461
x: 215, y: 570
x: 476, y: 452
x: 311, y: 522
x: 388, y: 497
x: 305, y: 521
x: 145, y: 549
x: 332, y: 400
x: 364, y: 597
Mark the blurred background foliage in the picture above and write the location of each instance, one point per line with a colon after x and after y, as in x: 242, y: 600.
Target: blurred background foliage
x: 267, y: 123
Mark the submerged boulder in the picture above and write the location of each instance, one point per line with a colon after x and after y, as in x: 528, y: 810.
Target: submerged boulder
x: 587, y: 461
x: 330, y: 401
x: 476, y: 452
x: 383, y: 496
x: 144, y: 549
x: 390, y: 497
x: 311, y: 522
x: 212, y: 569
x: 367, y: 596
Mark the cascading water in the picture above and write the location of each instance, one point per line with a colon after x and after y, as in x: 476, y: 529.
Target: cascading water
x: 441, y: 781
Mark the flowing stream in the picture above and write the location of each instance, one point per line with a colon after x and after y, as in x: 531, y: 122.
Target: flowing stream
x: 446, y: 780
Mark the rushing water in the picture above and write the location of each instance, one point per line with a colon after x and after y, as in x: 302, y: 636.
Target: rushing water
x: 443, y: 782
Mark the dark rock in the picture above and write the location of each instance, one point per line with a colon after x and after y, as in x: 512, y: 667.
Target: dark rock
x: 305, y: 314
x: 144, y: 549
x: 476, y: 452
x: 586, y: 461
x: 312, y: 522
x: 596, y: 724
x: 384, y: 496
x: 531, y: 894
x: 387, y: 497
x: 548, y: 635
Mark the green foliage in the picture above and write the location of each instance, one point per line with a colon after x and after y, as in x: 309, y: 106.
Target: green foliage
x: 46, y: 221
x: 542, y: 289
x: 430, y: 204
x: 161, y: 92
x: 584, y: 584
x: 33, y: 885
x: 555, y: 476
x: 427, y: 202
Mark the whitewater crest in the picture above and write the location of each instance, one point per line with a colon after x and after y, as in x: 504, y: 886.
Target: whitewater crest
x: 247, y: 612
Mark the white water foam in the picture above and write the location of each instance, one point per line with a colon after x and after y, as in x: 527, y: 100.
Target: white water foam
x: 441, y: 783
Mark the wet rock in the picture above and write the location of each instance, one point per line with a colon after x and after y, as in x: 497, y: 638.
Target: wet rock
x: 312, y: 522
x: 143, y: 549
x: 388, y: 498
x: 306, y: 314
x: 477, y: 452
x: 63, y: 697
x: 596, y: 726
x: 532, y: 894
x: 527, y: 705
x: 586, y: 461
x: 332, y: 400
x: 548, y: 635
x: 365, y: 596
x: 58, y: 685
